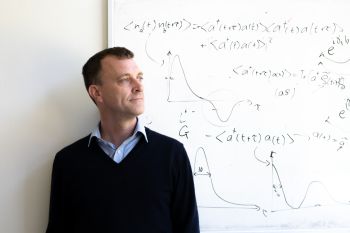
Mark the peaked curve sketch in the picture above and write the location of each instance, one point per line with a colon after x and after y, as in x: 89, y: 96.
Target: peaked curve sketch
x: 189, y: 95
x: 301, y: 204
x: 278, y: 184
x: 201, y: 169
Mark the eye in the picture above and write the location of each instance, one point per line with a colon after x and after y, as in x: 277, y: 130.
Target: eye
x: 140, y: 78
x: 124, y: 79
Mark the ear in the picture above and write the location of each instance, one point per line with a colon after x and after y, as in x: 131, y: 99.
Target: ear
x: 95, y: 93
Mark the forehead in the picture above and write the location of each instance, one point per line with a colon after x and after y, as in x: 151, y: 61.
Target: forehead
x: 115, y: 65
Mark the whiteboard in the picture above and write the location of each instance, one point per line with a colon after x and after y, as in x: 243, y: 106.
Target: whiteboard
x: 259, y: 94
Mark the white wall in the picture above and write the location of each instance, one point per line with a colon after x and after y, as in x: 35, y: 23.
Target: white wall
x: 43, y: 103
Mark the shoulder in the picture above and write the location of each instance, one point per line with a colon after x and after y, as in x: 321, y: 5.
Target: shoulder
x: 156, y: 137
x: 74, y: 150
x: 153, y: 135
x: 165, y: 146
x: 76, y: 146
x: 172, y: 151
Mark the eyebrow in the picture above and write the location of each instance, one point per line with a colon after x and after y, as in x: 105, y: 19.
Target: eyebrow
x: 128, y: 74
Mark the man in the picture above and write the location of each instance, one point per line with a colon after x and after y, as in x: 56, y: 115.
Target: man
x: 123, y: 177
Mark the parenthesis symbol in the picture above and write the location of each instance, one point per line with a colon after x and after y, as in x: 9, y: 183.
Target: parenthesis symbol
x: 293, y: 93
x: 259, y: 137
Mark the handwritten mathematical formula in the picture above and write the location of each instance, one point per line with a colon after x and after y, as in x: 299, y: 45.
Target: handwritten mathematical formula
x: 258, y: 100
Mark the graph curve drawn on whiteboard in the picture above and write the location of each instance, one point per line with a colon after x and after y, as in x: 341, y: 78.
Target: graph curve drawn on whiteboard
x: 259, y: 94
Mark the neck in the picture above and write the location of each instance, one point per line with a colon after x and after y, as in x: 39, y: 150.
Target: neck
x: 116, y: 130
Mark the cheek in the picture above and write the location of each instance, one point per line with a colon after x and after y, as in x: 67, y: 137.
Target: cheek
x: 121, y: 94
x: 115, y: 94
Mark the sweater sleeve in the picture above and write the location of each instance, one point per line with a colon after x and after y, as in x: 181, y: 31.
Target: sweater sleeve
x: 56, y: 221
x: 184, y: 205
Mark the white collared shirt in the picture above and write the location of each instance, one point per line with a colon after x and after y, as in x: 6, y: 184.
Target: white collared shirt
x: 119, y: 153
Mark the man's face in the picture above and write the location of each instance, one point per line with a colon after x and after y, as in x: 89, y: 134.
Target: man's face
x: 121, y: 89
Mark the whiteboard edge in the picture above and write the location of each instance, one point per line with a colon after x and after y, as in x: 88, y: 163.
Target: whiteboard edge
x: 110, y: 22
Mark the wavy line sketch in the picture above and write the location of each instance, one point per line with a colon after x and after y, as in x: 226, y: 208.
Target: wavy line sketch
x: 315, y: 195
x: 221, y: 101
x: 310, y: 187
x: 314, y: 186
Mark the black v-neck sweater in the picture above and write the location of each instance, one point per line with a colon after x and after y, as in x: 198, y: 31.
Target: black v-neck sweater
x: 150, y: 191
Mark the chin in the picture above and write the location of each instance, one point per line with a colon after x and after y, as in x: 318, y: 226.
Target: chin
x: 139, y: 111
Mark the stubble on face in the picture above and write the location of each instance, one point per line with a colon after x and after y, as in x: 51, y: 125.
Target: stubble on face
x: 121, y: 86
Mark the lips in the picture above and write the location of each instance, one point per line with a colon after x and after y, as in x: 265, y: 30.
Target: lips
x: 136, y: 99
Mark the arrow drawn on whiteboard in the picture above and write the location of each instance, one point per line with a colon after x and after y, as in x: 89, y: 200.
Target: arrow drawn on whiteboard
x: 261, y: 161
x: 334, y: 61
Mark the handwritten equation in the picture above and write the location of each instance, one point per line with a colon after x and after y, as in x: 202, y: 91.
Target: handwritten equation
x: 284, y: 26
x: 260, y: 99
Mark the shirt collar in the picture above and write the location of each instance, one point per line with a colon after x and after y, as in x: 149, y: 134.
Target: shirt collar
x: 140, y: 128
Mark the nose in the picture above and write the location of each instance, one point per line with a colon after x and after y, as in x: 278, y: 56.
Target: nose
x: 137, y: 85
